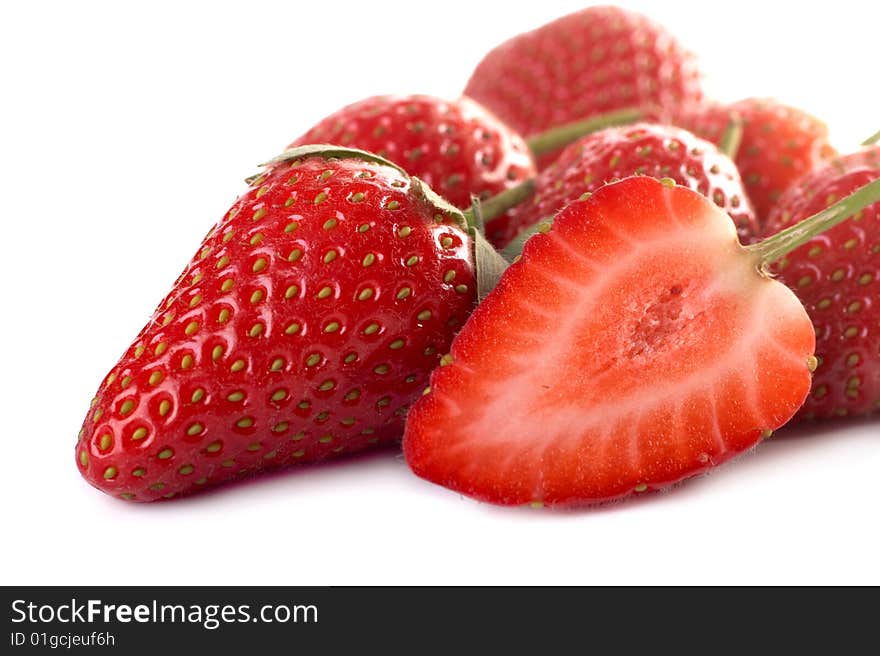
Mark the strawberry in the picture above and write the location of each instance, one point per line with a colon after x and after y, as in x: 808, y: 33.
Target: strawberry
x: 634, y: 344
x: 457, y: 147
x: 660, y: 151
x: 590, y: 62
x: 308, y: 320
x: 837, y: 277
x: 779, y: 144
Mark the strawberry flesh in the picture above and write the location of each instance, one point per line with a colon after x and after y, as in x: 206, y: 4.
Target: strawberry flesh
x: 633, y: 345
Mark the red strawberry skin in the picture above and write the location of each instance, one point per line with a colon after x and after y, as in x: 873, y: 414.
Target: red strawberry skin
x: 837, y: 277
x: 303, y: 328
x: 659, y: 151
x: 457, y: 147
x: 590, y: 62
x: 633, y: 345
x: 779, y: 144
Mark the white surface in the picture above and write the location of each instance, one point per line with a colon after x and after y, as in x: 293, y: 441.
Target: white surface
x: 126, y: 133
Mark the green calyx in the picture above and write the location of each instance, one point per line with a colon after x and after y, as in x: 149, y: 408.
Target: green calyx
x: 784, y: 242
x: 439, y: 204
x: 328, y: 151
x: 325, y: 151
x: 489, y: 264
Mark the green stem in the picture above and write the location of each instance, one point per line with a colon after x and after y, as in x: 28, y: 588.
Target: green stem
x: 489, y: 265
x: 784, y: 242
x: 476, y: 211
x: 563, y: 135
x: 732, y: 137
x: 498, y: 204
x: 870, y: 141
x: 515, y: 247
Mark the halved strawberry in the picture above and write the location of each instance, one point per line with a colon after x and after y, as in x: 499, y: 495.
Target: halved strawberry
x: 633, y: 345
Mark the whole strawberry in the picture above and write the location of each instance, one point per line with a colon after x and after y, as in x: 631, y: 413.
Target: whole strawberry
x: 779, y: 144
x: 457, y: 147
x: 660, y: 151
x: 590, y: 62
x: 837, y: 277
x: 305, y: 325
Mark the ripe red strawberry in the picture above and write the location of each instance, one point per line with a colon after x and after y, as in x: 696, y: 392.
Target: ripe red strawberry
x: 837, y: 277
x: 590, y: 62
x: 659, y: 151
x: 457, y: 147
x: 633, y: 345
x: 779, y: 144
x: 304, y: 326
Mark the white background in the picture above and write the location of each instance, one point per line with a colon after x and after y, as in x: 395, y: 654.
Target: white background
x: 126, y: 133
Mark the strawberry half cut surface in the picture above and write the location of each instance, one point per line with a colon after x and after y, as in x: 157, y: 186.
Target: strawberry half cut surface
x: 634, y: 344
